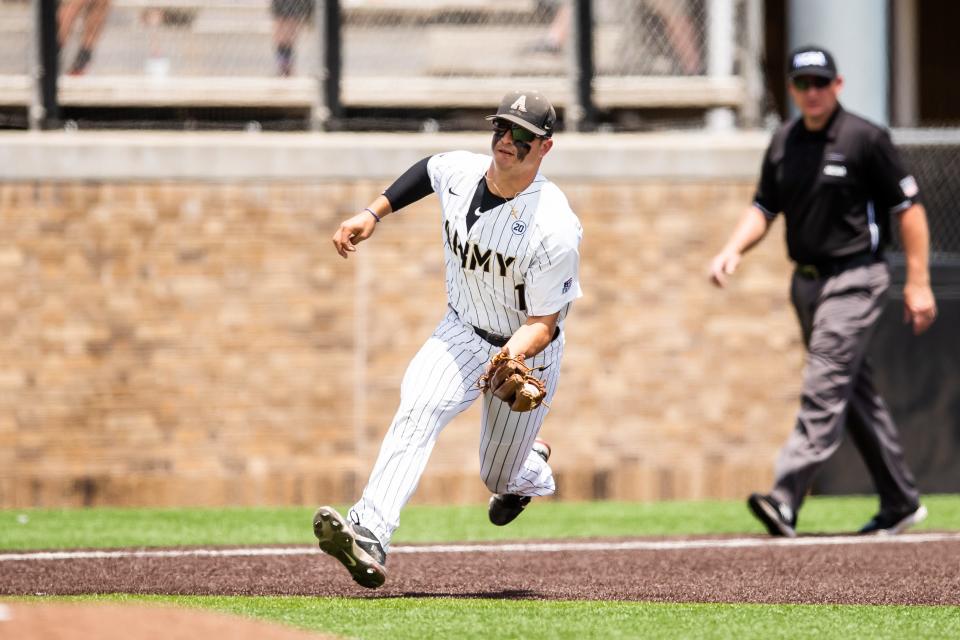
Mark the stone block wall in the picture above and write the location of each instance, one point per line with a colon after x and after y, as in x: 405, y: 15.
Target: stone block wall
x: 201, y: 343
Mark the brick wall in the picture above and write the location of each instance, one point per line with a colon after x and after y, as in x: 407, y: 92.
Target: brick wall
x: 201, y: 344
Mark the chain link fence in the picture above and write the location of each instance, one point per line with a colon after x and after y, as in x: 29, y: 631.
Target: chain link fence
x: 16, y: 37
x: 156, y: 40
x: 160, y: 38
x: 17, y: 43
x: 933, y: 156
x: 431, y: 59
x: 652, y: 37
x: 938, y: 168
x: 439, y: 40
x: 522, y: 38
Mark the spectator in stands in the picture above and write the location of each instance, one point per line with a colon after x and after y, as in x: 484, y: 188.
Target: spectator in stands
x: 94, y: 16
x: 559, y: 30
x: 675, y: 16
x: 289, y: 17
x: 682, y: 36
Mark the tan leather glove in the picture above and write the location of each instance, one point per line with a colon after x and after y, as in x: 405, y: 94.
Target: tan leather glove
x: 510, y: 380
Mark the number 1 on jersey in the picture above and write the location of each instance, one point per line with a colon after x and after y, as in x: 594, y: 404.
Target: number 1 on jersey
x: 521, y: 296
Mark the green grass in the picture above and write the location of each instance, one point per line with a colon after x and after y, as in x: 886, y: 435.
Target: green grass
x: 398, y: 618
x: 417, y: 618
x: 99, y: 528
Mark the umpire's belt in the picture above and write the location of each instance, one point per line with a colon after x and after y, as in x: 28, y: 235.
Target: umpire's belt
x: 837, y: 266
x: 500, y: 341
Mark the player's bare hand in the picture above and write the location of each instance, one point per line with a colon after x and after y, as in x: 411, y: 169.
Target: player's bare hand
x: 352, y: 232
x: 919, y: 307
x: 723, y: 266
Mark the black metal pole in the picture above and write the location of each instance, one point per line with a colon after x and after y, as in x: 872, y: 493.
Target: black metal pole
x: 332, y: 57
x: 583, y: 52
x: 49, y: 63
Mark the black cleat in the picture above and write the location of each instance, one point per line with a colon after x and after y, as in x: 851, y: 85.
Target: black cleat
x: 774, y: 515
x: 887, y: 524
x: 505, y: 507
x: 354, y: 546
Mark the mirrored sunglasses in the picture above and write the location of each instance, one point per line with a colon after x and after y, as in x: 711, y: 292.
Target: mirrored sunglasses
x: 517, y: 132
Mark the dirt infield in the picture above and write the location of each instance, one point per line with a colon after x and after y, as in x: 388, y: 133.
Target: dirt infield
x: 910, y: 569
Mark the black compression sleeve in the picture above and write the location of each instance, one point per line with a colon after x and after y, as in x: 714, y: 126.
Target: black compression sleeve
x: 410, y: 187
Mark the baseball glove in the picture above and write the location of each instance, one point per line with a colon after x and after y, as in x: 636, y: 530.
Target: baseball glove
x: 511, y: 381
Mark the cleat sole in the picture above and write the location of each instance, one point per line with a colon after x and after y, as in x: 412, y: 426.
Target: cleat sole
x: 336, y: 539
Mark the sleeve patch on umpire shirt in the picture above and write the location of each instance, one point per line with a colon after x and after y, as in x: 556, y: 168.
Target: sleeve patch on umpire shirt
x: 909, y: 187
x: 567, y: 284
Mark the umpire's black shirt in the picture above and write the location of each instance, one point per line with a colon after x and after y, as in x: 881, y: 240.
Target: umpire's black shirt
x: 836, y: 186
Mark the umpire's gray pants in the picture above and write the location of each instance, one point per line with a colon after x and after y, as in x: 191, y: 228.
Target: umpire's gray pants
x: 837, y: 316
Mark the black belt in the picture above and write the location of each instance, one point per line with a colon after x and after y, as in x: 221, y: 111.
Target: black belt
x: 500, y: 341
x: 837, y: 266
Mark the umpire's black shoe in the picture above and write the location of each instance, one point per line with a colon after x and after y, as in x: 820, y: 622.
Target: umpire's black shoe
x: 894, y: 523
x: 353, y: 545
x: 774, y: 515
x: 505, y: 507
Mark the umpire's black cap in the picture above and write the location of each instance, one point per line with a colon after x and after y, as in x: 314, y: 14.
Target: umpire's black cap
x: 529, y: 109
x: 811, y: 61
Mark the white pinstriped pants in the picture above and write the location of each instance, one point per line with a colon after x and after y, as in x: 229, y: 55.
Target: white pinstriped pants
x: 440, y: 383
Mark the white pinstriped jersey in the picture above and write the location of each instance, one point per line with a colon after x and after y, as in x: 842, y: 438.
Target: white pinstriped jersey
x: 519, y: 259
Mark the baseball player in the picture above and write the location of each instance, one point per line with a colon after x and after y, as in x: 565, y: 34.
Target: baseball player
x: 838, y: 179
x: 511, y: 250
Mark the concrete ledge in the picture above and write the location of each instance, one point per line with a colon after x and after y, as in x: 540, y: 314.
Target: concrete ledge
x: 15, y: 91
x: 609, y: 91
x: 280, y: 156
x: 416, y: 92
x: 366, y: 6
x: 145, y: 91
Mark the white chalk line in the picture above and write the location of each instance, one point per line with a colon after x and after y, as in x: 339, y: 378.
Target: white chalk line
x: 521, y: 547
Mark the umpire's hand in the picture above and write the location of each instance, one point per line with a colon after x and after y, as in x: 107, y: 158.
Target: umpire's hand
x: 353, y: 231
x: 723, y: 266
x: 919, y: 306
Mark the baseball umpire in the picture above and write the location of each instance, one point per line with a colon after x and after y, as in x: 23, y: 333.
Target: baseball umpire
x: 511, y: 249
x: 838, y: 179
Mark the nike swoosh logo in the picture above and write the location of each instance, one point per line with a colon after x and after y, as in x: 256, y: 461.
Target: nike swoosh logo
x: 452, y: 192
x: 349, y: 558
